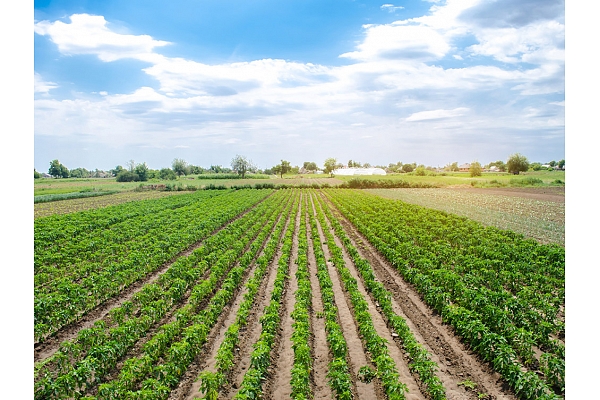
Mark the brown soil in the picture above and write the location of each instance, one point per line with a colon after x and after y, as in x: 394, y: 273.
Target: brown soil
x: 356, y: 353
x: 320, y: 353
x: 457, y: 363
x: 553, y: 193
x: 50, y: 345
x: 279, y: 386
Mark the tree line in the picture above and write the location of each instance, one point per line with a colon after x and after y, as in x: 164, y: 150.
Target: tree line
x: 241, y: 166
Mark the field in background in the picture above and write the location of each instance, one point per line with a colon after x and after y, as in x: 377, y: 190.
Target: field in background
x: 538, y: 213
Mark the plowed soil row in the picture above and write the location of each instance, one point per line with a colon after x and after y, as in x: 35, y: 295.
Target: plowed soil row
x: 51, y: 344
x: 457, y: 363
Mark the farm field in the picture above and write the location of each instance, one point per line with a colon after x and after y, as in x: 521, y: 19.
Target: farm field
x: 301, y: 293
x: 76, y: 205
x: 538, y: 213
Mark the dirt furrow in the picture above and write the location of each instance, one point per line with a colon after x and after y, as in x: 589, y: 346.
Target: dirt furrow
x: 279, y: 386
x: 457, y: 363
x: 250, y: 334
x: 189, y: 386
x: 395, y: 351
x: 320, y: 353
x: 51, y: 344
x: 356, y: 352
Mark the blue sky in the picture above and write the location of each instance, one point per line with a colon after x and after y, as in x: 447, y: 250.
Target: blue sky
x: 431, y: 82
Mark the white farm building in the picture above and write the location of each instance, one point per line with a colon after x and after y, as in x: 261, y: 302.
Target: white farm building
x: 359, y: 171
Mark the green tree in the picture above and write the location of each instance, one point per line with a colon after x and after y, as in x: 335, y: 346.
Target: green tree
x: 241, y: 165
x: 408, y: 168
x: 58, y: 170
x: 517, y: 163
x: 420, y: 171
x: 285, y: 167
x: 475, y: 169
x: 127, y: 176
x: 116, y: 170
x: 552, y: 163
x: 36, y: 175
x: 142, y: 171
x: 310, y: 166
x: 179, y: 167
x: 329, y: 166
x: 167, y: 174
x: 561, y: 164
x: 79, y: 173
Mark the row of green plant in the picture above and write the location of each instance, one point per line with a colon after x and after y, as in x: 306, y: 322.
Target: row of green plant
x: 339, y: 377
x: 303, y: 361
x: 46, y: 198
x: 154, y: 241
x: 212, y: 382
x: 96, y: 350
x: 448, y: 259
x: 260, y: 359
x: 168, y: 354
x: 420, y: 359
x: 374, y: 344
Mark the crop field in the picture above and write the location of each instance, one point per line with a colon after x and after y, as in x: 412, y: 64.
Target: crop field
x: 538, y: 213
x: 293, y: 293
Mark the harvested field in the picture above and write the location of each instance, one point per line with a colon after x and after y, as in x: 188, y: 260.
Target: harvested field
x: 296, y: 293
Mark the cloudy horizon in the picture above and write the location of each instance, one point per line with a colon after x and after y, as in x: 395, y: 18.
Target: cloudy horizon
x: 432, y: 82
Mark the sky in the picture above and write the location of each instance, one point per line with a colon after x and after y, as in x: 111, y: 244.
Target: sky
x: 425, y: 81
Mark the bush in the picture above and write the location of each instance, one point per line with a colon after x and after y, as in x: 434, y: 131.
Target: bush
x: 126, y: 176
x: 529, y: 181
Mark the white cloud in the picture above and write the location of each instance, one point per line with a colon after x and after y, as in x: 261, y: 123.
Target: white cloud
x: 89, y: 34
x: 394, y: 71
x: 41, y: 86
x: 436, y: 114
x: 391, y: 8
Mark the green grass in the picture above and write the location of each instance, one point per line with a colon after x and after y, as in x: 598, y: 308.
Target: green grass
x: 45, y: 198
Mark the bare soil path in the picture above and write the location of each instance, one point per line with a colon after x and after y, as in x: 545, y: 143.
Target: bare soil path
x: 457, y: 363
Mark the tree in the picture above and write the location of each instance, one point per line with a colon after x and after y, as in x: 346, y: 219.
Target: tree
x: 285, y: 167
x: 142, y: 171
x: 408, y: 167
x: 310, y: 166
x: 127, y: 176
x: 116, y: 170
x: 499, y: 164
x: 167, y: 173
x: 131, y: 165
x: 420, y: 170
x: 36, y: 175
x: 561, y: 164
x: 552, y: 163
x: 475, y: 169
x: 329, y: 166
x: 179, y: 167
x: 58, y: 170
x: 517, y: 163
x: 79, y: 173
x: 241, y: 165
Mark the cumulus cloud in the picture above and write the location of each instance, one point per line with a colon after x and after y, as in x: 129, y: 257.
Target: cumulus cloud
x: 89, y: 34
x: 395, y: 70
x: 41, y: 86
x: 437, y: 114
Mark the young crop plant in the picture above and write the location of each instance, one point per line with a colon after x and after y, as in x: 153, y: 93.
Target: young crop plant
x: 301, y: 370
x: 464, y: 271
x: 260, y: 359
x: 212, y: 382
x: 153, y: 301
x: 339, y: 372
x: 374, y: 344
x: 421, y: 362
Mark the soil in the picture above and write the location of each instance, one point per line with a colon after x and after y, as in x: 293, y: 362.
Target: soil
x: 553, y: 193
x: 457, y: 363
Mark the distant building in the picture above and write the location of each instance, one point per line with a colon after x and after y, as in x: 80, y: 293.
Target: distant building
x: 359, y: 171
x: 464, y: 167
